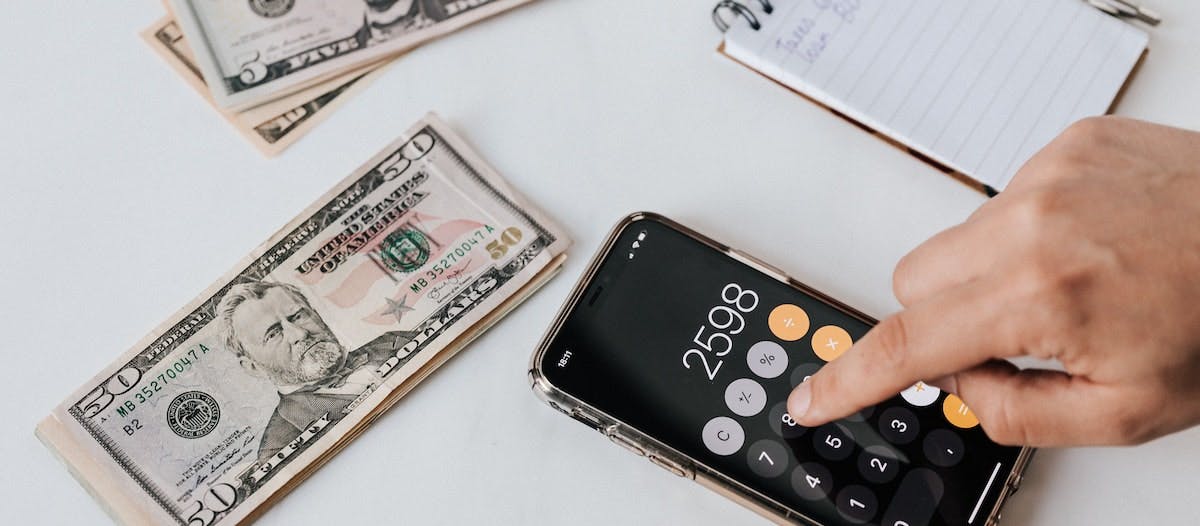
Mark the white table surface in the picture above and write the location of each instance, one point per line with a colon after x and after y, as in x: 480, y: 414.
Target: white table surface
x: 125, y: 195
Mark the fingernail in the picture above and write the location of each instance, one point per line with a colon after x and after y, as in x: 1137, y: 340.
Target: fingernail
x: 799, y: 401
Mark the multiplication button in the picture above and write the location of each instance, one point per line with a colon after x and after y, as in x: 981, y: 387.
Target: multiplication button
x: 767, y: 359
x: 767, y: 458
x: 812, y: 481
x: 723, y: 436
x: 745, y: 397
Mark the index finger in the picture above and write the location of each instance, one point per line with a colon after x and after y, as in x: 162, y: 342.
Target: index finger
x: 952, y: 331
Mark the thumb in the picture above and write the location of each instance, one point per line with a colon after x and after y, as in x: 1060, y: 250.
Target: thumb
x: 1040, y: 408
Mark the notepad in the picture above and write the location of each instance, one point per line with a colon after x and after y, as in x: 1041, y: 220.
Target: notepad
x: 976, y: 86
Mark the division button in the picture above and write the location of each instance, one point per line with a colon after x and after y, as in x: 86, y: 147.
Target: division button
x: 723, y: 436
x: 898, y: 425
x: 783, y: 424
x: 958, y: 413
x: 788, y: 322
x: 857, y: 504
x: 767, y: 359
x: 878, y: 464
x: 916, y: 500
x: 802, y: 373
x: 944, y: 448
x: 745, y: 397
x: 830, y: 341
x: 921, y: 394
x: 812, y: 481
x: 767, y: 458
x: 833, y: 442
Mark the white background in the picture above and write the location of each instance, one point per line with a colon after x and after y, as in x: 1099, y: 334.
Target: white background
x: 125, y: 195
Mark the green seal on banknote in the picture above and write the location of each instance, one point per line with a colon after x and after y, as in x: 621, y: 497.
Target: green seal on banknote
x: 404, y: 250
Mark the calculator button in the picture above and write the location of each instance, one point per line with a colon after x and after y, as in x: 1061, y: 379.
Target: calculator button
x: 783, y: 424
x: 788, y: 322
x: 898, y: 425
x: 830, y: 341
x: 857, y: 504
x: 745, y: 397
x: 921, y: 394
x: 811, y: 481
x: 767, y: 458
x: 878, y: 464
x: 944, y: 448
x: 767, y: 359
x: 862, y: 415
x: 958, y: 413
x: 915, y: 501
x: 803, y: 372
x: 833, y: 442
x: 723, y: 436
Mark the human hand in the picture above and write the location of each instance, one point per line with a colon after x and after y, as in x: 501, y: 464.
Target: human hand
x: 1091, y: 257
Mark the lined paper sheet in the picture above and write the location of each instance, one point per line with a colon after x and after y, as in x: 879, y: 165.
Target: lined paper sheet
x: 978, y: 86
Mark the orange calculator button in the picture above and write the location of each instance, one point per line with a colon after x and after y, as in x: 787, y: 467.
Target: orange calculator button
x: 958, y: 413
x: 788, y: 322
x: 830, y: 341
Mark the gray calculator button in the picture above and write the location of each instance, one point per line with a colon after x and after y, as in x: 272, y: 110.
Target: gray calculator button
x: 857, y: 504
x: 833, y: 442
x: 745, y: 397
x: 878, y: 464
x: 767, y: 458
x: 915, y: 500
x: 944, y: 448
x: 723, y: 436
x: 767, y: 359
x: 811, y: 481
x: 899, y: 425
x: 801, y: 373
x: 786, y: 427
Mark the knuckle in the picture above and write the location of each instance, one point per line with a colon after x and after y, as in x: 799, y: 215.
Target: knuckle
x: 892, y: 349
x: 1091, y: 131
x: 902, y: 279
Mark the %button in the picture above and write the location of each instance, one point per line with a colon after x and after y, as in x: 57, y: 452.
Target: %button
x: 767, y: 359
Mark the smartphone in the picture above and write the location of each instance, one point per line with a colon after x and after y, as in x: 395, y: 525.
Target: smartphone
x: 683, y: 350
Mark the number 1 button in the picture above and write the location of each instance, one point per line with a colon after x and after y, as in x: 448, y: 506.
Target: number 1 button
x: 857, y: 504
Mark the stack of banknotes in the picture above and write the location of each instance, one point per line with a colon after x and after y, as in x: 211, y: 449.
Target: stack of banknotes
x: 275, y: 68
x: 252, y: 386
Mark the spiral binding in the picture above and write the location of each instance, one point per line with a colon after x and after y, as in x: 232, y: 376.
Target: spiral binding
x: 739, y: 9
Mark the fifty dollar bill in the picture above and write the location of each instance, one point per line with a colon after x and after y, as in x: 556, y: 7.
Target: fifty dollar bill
x: 281, y: 362
x: 253, y: 51
x: 275, y: 125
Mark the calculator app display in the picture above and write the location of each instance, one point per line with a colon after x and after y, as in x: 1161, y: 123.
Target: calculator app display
x: 701, y: 351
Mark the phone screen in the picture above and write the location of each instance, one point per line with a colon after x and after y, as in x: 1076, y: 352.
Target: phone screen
x: 700, y: 352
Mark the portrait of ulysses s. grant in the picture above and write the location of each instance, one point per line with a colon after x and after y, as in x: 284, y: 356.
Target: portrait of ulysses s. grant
x: 278, y: 336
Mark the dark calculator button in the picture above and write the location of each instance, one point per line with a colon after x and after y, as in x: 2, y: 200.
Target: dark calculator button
x: 878, y: 464
x: 812, y: 481
x: 915, y: 501
x: 944, y: 448
x: 767, y: 458
x: 783, y: 424
x: 802, y: 373
x: 833, y: 442
x: 899, y: 425
x: 857, y: 504
x: 862, y: 415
